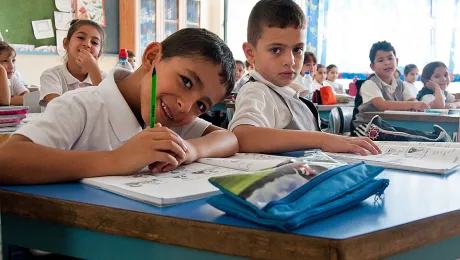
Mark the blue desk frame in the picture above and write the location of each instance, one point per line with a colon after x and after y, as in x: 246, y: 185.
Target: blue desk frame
x: 417, y: 220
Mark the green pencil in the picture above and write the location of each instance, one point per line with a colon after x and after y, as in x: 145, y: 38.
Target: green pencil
x: 153, y: 101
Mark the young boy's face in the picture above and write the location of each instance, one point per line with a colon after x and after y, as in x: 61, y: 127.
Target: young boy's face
x: 441, y: 76
x: 7, y: 60
x: 384, y: 64
x: 239, y: 71
x: 320, y: 75
x: 186, y: 88
x: 278, y: 54
x: 412, y: 76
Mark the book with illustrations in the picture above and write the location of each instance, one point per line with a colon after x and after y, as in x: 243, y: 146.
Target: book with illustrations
x: 190, y: 182
x: 439, y: 158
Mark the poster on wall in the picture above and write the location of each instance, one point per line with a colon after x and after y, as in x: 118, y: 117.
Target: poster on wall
x: 90, y: 10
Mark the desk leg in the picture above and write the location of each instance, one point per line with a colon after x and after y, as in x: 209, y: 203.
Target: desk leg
x: 87, y: 244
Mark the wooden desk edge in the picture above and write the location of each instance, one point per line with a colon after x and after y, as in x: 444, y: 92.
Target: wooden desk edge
x: 230, y: 240
x: 224, y: 239
x: 417, y: 118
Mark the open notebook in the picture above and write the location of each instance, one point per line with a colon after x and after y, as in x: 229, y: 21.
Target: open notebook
x: 185, y: 183
x: 440, y: 158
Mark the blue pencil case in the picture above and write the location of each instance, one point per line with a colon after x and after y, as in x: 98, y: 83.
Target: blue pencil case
x: 296, y: 194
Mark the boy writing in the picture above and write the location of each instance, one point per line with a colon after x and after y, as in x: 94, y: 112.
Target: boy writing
x: 99, y: 131
x: 269, y: 113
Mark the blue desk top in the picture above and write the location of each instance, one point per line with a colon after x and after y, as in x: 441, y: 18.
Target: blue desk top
x: 410, y: 197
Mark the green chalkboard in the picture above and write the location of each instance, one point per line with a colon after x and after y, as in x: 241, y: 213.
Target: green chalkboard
x: 16, y: 26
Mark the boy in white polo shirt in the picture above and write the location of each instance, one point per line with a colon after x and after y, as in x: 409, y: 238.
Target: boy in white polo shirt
x: 99, y: 131
x: 269, y: 113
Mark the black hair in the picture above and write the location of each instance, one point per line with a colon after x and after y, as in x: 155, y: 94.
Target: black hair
x: 240, y: 62
x: 319, y: 66
x: 5, y: 47
x: 274, y: 14
x: 200, y: 43
x: 309, y: 57
x: 131, y: 54
x: 380, y: 46
x: 428, y: 70
x: 247, y: 64
x: 399, y: 72
x: 330, y: 67
x: 408, y: 68
x: 77, y: 23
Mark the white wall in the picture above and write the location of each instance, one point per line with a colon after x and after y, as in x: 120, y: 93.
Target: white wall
x: 31, y: 66
x: 212, y: 16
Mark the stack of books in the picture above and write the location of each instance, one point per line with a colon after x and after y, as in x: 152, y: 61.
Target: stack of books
x: 11, y: 118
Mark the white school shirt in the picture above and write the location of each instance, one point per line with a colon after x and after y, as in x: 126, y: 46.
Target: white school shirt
x: 369, y: 90
x: 58, y: 80
x: 16, y: 86
x: 430, y: 98
x: 316, y: 85
x: 412, y: 87
x: 257, y: 105
x: 93, y: 119
x: 335, y: 86
x: 21, y: 78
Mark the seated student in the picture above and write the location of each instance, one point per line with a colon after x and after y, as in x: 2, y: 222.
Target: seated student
x: 309, y: 64
x: 410, y: 77
x: 241, y: 76
x: 16, y: 89
x: 332, y: 72
x: 319, y: 77
x: 435, y: 78
x: 303, y: 84
x: 268, y: 113
x: 397, y: 74
x: 5, y: 97
x: 101, y: 130
x: 83, y: 44
x: 249, y: 66
x: 21, y: 79
x: 132, y: 59
x: 382, y: 91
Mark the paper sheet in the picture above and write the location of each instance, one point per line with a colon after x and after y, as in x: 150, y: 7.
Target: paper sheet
x: 91, y: 10
x: 60, y: 35
x: 43, y: 29
x: 63, y: 5
x: 62, y: 20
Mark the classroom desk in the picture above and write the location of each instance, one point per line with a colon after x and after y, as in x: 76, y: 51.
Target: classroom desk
x: 418, y: 219
x: 324, y: 110
x: 422, y: 122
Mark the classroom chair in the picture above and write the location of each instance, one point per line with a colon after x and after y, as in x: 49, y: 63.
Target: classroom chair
x: 340, y: 120
x: 31, y: 100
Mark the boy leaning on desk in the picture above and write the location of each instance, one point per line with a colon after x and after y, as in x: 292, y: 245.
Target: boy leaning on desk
x: 382, y: 91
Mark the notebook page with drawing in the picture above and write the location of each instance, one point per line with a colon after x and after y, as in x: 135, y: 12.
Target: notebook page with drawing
x: 185, y: 183
x: 440, y: 158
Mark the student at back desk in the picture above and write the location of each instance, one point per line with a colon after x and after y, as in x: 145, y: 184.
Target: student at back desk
x: 268, y: 113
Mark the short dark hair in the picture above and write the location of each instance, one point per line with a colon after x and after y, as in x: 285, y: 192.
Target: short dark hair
x: 319, y: 66
x: 200, y: 43
x: 131, y: 54
x: 309, y: 57
x: 77, y: 23
x: 274, y: 14
x: 5, y: 47
x: 240, y: 62
x: 408, y: 68
x: 380, y: 46
x: 247, y: 64
x: 330, y: 67
x: 428, y: 70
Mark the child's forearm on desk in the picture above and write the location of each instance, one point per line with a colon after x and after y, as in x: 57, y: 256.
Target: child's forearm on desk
x: 221, y: 143
x: 24, y: 162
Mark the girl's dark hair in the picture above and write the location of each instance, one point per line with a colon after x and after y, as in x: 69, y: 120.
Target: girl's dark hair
x: 429, y: 70
x: 319, y: 66
x: 240, y: 62
x: 309, y: 57
x: 408, y: 68
x: 6, y: 47
x: 330, y: 67
x: 76, y: 23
